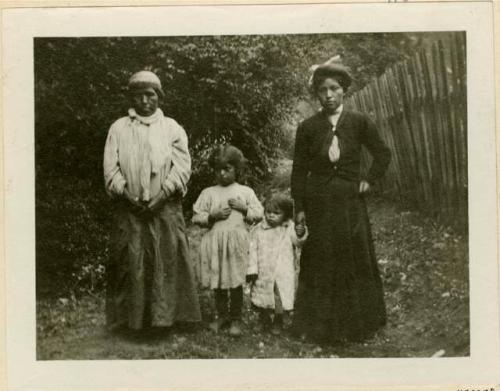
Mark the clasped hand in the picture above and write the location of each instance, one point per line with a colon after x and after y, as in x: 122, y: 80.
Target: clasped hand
x: 300, y: 224
x: 223, y: 213
x: 238, y: 204
x: 300, y: 230
x: 145, y: 209
x: 220, y: 214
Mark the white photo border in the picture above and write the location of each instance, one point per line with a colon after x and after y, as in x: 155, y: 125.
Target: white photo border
x: 20, y: 26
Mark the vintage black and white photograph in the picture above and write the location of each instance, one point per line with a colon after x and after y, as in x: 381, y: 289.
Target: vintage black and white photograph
x: 252, y: 192
x: 252, y: 196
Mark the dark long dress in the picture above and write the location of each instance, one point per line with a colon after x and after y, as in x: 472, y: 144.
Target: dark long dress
x: 340, y: 292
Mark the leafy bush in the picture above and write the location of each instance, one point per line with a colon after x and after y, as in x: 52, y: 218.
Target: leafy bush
x: 73, y: 223
x: 237, y: 89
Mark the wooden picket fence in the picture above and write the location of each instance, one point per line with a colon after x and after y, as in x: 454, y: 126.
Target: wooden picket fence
x: 420, y: 107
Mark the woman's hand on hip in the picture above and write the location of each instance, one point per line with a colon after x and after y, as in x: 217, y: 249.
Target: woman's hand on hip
x: 364, y: 187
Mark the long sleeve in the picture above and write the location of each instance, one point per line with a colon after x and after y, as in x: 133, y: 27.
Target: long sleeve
x: 377, y: 148
x: 300, y: 169
x: 113, y: 177
x: 201, y: 210
x: 180, y: 171
x: 253, y: 264
x: 255, y: 211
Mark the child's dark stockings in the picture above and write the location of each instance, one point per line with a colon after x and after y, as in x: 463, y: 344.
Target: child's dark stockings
x: 229, y: 303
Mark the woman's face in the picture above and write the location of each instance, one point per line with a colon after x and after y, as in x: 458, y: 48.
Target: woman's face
x: 225, y: 174
x: 330, y: 94
x: 145, y: 101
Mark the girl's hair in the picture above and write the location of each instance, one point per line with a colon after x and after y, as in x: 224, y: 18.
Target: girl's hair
x: 227, y: 154
x: 281, y: 202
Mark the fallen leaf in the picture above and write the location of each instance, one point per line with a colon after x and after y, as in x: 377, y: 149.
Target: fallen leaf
x: 439, y: 353
x: 63, y: 301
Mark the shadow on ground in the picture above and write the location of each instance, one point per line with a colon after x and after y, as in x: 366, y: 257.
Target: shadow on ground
x: 425, y: 273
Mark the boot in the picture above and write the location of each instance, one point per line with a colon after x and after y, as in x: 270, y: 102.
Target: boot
x: 265, y: 321
x: 235, y: 329
x: 221, y: 305
x: 218, y: 324
x: 277, y: 325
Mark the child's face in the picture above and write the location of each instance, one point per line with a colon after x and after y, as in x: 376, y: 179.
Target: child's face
x: 274, y: 216
x: 225, y: 174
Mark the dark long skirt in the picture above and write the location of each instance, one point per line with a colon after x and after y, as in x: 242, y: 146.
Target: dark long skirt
x: 150, y: 277
x: 340, y: 291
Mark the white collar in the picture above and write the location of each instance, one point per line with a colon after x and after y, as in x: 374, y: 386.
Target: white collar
x: 334, y: 118
x: 337, y: 112
x: 146, y: 120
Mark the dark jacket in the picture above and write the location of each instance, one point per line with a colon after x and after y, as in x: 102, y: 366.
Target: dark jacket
x: 313, y: 139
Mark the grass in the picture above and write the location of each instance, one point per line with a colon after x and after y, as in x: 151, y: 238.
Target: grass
x: 425, y: 273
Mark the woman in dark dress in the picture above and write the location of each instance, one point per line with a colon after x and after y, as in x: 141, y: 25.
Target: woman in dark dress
x: 340, y: 294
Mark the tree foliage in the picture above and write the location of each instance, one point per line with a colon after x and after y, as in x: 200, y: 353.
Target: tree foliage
x: 238, y: 89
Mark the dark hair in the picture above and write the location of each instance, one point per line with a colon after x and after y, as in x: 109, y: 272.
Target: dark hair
x: 334, y: 71
x: 281, y: 202
x: 227, y: 154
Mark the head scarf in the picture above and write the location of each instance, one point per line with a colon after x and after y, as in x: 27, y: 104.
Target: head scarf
x: 153, y: 153
x: 145, y: 79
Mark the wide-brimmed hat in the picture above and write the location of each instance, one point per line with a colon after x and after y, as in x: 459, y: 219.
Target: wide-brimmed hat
x: 331, y: 68
x: 145, y: 79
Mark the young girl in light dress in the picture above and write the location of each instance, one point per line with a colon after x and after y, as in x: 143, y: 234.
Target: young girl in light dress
x: 226, y: 209
x: 273, y: 265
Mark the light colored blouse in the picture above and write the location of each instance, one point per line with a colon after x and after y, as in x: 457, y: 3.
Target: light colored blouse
x: 146, y: 154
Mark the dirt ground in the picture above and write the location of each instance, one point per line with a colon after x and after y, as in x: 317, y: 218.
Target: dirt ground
x: 425, y: 273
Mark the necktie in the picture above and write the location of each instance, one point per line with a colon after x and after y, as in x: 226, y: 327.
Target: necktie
x: 334, y: 150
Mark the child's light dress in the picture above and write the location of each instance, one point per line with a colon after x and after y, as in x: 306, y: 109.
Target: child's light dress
x: 274, y: 257
x: 224, y: 247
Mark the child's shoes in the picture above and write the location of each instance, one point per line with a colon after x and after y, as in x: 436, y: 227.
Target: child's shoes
x: 265, y: 321
x: 218, y: 324
x: 287, y: 321
x: 235, y: 329
x: 277, y: 325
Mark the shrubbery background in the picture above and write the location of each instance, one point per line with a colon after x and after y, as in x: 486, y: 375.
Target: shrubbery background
x: 247, y: 90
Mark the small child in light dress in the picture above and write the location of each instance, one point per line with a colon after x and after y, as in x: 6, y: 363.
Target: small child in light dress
x: 274, y: 262
x: 226, y: 209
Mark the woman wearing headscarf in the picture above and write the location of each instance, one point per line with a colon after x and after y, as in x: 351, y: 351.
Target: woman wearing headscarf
x: 340, y: 293
x: 146, y: 170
